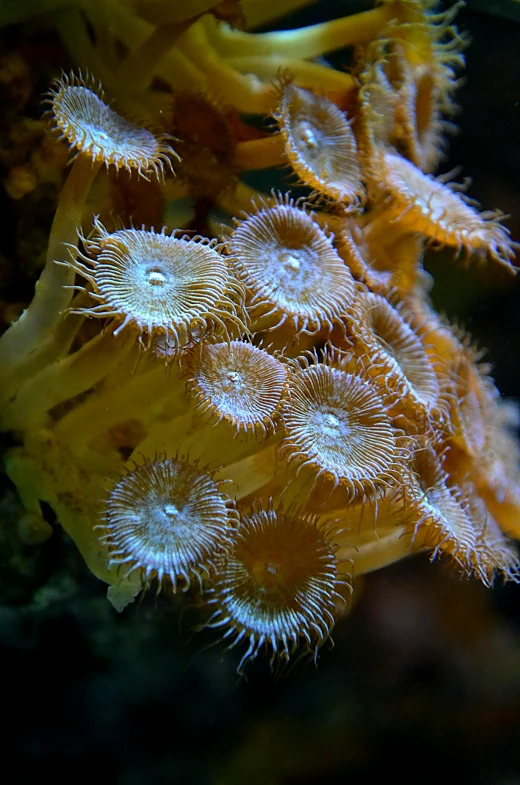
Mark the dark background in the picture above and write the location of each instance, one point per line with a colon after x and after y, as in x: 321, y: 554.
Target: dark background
x: 423, y: 683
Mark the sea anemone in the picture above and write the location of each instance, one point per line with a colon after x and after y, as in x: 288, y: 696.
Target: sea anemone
x: 160, y: 284
x: 320, y: 144
x: 446, y: 516
x: 89, y: 125
x: 292, y: 271
x: 237, y: 382
x: 428, y: 205
x: 472, y: 405
x: 277, y: 586
x: 168, y: 519
x: 338, y: 424
x: 397, y: 353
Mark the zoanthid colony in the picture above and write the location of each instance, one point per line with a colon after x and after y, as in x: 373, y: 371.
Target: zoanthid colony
x: 267, y: 408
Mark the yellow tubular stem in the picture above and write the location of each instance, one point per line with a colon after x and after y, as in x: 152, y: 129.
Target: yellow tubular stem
x: 130, y: 400
x: 56, y: 344
x: 73, y: 496
x: 309, y: 75
x: 260, y: 153
x: 242, y: 199
x: 249, y: 474
x: 175, y: 189
x: 65, y: 379
x: 138, y: 68
x: 72, y: 30
x: 246, y: 93
x: 103, y: 34
x: 122, y: 374
x: 13, y: 12
x: 191, y: 65
x: 162, y: 12
x: 175, y: 68
x: 23, y: 472
x: 51, y: 297
x: 384, y: 547
x: 305, y: 42
x: 190, y: 434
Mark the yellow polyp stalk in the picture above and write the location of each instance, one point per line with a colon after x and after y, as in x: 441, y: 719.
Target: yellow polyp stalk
x: 71, y: 27
x: 165, y: 436
x: 242, y: 198
x: 175, y: 68
x: 505, y: 509
x: 247, y: 93
x: 330, y: 222
x: 46, y: 472
x: 13, y: 12
x: 64, y: 379
x: 249, y: 475
x: 23, y: 472
x: 138, y: 68
x: 193, y: 435
x: 365, y: 553
x: 123, y: 372
x: 262, y: 323
x: 308, y: 75
x: 99, y: 18
x: 56, y: 344
x: 303, y: 43
x: 156, y: 395
x: 51, y: 296
x: 192, y: 66
x: 379, y: 230
x: 260, y: 153
x: 175, y: 189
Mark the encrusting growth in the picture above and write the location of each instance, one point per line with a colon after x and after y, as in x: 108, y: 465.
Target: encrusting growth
x: 258, y: 403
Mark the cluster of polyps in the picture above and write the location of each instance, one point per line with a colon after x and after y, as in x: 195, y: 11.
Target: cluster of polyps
x: 262, y: 416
